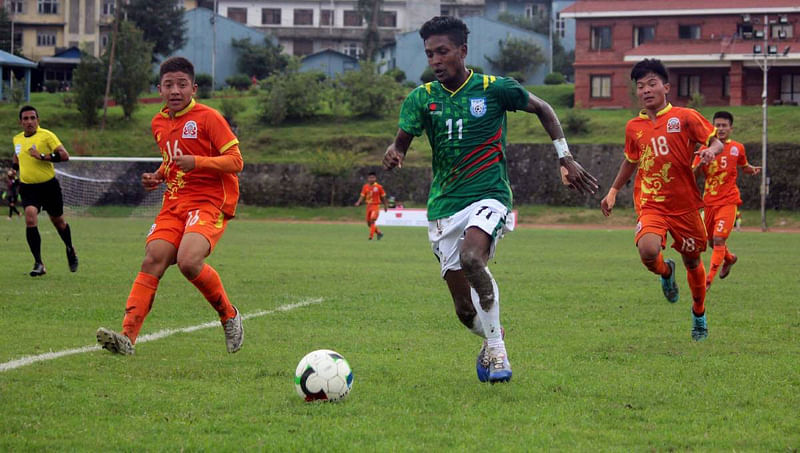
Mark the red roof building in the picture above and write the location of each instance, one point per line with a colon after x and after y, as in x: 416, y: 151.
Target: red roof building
x: 711, y: 47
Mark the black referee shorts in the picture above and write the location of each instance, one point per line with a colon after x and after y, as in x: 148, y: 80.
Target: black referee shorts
x: 44, y: 195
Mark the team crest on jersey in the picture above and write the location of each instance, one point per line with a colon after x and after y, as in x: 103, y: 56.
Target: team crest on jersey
x: 673, y: 125
x: 734, y: 151
x: 477, y: 107
x: 189, y: 130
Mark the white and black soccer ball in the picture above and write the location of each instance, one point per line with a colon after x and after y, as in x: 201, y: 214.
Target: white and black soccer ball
x: 323, y: 375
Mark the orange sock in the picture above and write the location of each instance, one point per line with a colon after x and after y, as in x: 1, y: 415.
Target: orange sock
x: 657, y: 266
x: 372, y: 228
x: 697, y: 284
x: 717, y: 257
x: 139, y: 303
x: 209, y: 283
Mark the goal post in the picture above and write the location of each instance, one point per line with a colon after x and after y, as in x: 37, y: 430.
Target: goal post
x: 108, y: 183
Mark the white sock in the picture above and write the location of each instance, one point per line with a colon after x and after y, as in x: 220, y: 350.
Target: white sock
x: 490, y: 320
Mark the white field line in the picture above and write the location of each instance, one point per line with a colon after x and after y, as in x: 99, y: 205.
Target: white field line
x: 31, y: 359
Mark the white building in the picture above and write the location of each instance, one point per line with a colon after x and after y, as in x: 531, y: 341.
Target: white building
x: 304, y: 27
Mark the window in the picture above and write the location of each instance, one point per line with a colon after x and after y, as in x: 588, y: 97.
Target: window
x: 790, y: 88
x: 445, y: 11
x: 304, y: 17
x: 561, y: 26
x: 688, y: 85
x: 745, y: 30
x: 643, y: 34
x: 781, y: 31
x: 108, y: 7
x: 46, y: 38
x: 326, y: 17
x: 353, y: 49
x: 535, y: 10
x: 48, y: 6
x: 16, y: 7
x: 601, y: 86
x: 689, y: 31
x: 270, y: 16
x: 352, y: 19
x: 238, y: 15
x: 17, y: 39
x: 104, y: 41
x: 726, y: 86
x: 302, y: 47
x: 601, y: 38
x: 388, y: 19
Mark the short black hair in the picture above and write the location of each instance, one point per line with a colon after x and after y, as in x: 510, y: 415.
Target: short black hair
x: 647, y: 66
x: 453, y: 27
x: 176, y: 64
x: 372, y: 173
x: 724, y: 115
x: 28, y: 108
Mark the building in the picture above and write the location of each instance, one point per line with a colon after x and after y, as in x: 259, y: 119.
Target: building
x: 305, y: 27
x: 408, y: 53
x: 712, y: 48
x: 462, y: 8
x: 208, y: 43
x: 329, y: 62
x: 44, y: 27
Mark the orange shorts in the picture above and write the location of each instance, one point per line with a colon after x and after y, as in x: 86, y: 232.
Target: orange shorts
x: 687, y: 230
x: 372, y: 212
x: 719, y: 220
x: 174, y: 221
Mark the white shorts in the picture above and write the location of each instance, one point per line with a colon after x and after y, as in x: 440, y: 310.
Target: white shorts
x: 447, y: 234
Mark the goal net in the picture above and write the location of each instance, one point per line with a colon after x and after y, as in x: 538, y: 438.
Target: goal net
x: 110, y: 185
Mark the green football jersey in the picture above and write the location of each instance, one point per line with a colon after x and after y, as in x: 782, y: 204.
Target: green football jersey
x: 467, y: 132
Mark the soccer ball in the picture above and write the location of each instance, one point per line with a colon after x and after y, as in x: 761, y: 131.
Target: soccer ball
x: 323, y: 375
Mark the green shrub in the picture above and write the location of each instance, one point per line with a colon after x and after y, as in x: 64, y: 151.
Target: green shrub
x: 554, y: 78
x: 52, y: 86
x: 576, y: 122
x: 476, y: 69
x: 427, y: 75
x: 239, y: 81
x: 295, y: 95
x: 517, y: 75
x: 696, y: 101
x: 231, y: 108
x: 204, y: 85
x: 367, y: 92
x: 397, y: 74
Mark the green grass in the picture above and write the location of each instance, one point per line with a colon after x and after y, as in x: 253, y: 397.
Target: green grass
x: 601, y: 361
x: 300, y: 142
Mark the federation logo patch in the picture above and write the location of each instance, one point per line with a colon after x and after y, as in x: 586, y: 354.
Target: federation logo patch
x: 673, y: 125
x: 477, y: 107
x: 734, y: 151
x: 189, y: 130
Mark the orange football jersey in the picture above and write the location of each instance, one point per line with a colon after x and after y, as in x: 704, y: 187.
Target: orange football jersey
x: 721, y: 174
x: 372, y: 193
x: 664, y: 151
x: 197, y: 130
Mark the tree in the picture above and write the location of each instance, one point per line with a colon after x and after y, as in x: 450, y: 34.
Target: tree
x: 562, y: 60
x: 260, y: 61
x: 371, y: 11
x: 517, y: 56
x: 5, y: 31
x: 162, y: 23
x: 368, y: 93
x: 131, y: 71
x: 88, y: 86
x: 535, y: 24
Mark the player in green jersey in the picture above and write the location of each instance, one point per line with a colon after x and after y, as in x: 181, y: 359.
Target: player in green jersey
x: 464, y: 117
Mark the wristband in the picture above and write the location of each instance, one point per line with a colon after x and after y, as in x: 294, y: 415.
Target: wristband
x: 55, y: 157
x: 562, y: 150
x: 41, y: 156
x: 15, y: 166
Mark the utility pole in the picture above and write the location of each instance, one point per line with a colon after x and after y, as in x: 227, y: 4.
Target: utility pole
x: 214, y: 48
x: 765, y: 69
x: 110, y: 66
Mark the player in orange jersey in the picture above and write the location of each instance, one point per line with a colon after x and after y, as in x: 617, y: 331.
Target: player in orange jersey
x: 201, y: 160
x: 374, y: 195
x: 721, y: 195
x: 660, y: 143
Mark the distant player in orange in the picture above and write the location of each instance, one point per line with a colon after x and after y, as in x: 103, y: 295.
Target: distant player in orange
x: 721, y: 195
x: 660, y: 144
x: 200, y: 161
x: 374, y: 195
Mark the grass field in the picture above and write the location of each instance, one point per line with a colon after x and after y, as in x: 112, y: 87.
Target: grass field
x: 601, y: 361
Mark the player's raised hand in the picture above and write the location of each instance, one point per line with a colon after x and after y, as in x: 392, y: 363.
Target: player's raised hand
x: 151, y: 181
x: 33, y: 152
x: 576, y: 177
x: 392, y: 158
x: 706, y: 155
x: 608, y: 202
x: 185, y: 162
